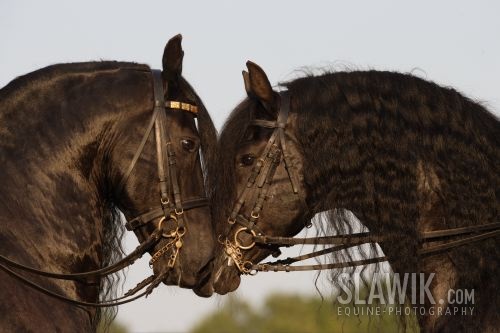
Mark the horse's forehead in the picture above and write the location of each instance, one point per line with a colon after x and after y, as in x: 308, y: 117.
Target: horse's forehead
x: 181, y: 123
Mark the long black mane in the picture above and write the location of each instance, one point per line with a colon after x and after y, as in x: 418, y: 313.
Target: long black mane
x: 363, y: 135
x: 376, y: 126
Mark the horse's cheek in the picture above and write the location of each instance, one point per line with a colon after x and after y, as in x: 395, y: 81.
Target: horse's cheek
x: 289, y: 202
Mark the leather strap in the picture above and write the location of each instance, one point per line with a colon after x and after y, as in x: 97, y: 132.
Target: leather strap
x: 362, y: 238
x: 121, y: 300
x: 460, y: 231
x: 457, y: 243
x: 366, y: 237
x: 138, y: 153
x: 358, y: 238
x: 145, y: 218
x: 287, y: 268
x: 126, y: 261
x: 160, y: 134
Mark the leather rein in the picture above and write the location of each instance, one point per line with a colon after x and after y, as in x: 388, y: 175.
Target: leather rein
x: 171, y: 210
x: 260, y: 180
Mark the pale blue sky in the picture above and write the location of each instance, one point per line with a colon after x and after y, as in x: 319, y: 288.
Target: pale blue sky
x: 454, y: 43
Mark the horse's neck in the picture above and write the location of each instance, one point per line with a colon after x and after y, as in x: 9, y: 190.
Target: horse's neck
x: 51, y: 211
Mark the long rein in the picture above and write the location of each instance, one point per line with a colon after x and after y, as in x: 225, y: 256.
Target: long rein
x: 166, y: 212
x: 260, y: 180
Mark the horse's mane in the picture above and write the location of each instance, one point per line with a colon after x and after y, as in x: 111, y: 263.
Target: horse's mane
x: 56, y: 70
x: 362, y: 134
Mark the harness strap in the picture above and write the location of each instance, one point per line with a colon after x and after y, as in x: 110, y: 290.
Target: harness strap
x: 126, y: 261
x: 452, y: 244
x: 357, y: 238
x: 460, y: 231
x: 284, y: 265
x: 160, y: 134
x: 261, y: 163
x: 367, y: 237
x: 158, y: 212
x: 260, y: 173
x: 291, y: 260
x: 152, y: 281
x: 172, y: 163
x: 255, y: 214
x: 243, y: 221
x: 286, y: 268
x: 269, y: 159
x: 138, y: 152
x: 280, y: 125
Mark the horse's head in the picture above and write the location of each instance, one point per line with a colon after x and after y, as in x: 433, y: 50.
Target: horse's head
x: 260, y: 187
x: 163, y: 190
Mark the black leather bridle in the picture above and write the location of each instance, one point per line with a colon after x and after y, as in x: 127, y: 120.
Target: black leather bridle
x: 171, y: 204
x: 260, y: 180
x: 172, y: 208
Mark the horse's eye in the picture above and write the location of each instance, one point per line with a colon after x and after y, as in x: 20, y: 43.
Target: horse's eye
x: 188, y: 145
x: 247, y: 159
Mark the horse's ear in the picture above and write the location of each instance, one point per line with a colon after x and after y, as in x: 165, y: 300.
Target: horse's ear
x: 258, y: 86
x: 172, y: 59
x: 246, y: 80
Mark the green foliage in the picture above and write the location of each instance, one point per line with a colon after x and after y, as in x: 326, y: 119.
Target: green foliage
x: 297, y: 314
x: 115, y: 327
x: 234, y: 316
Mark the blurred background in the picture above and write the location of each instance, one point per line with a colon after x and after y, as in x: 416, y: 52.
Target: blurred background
x: 454, y: 43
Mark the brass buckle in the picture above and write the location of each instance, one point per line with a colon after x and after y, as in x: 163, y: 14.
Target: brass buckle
x: 174, y: 244
x: 234, y: 254
x: 163, y: 219
x: 237, y: 242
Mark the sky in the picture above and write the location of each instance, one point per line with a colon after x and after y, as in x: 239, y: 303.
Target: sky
x: 453, y: 43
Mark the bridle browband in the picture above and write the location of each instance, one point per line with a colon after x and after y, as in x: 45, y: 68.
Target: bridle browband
x: 172, y: 208
x: 260, y: 180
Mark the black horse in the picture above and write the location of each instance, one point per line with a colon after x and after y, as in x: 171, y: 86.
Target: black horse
x: 405, y: 155
x: 68, y: 136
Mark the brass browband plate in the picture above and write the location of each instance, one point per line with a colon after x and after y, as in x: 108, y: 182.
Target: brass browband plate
x: 181, y: 106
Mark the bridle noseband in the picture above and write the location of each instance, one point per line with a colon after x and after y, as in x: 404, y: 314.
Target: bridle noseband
x: 260, y: 180
x: 172, y: 208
